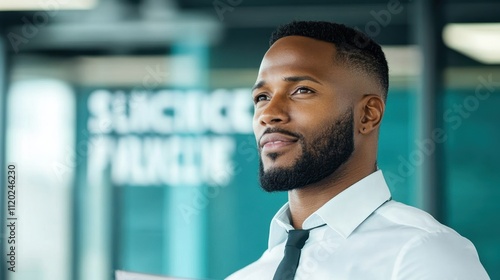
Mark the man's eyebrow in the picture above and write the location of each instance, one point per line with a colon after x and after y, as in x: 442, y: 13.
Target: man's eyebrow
x: 258, y: 85
x: 293, y: 79
x: 300, y: 78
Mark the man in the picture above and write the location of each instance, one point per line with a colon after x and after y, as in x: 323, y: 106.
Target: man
x: 319, y: 101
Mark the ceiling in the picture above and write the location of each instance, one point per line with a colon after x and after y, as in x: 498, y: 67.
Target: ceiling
x: 237, y: 33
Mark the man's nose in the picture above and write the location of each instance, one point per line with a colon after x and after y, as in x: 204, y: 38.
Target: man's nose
x: 275, y: 111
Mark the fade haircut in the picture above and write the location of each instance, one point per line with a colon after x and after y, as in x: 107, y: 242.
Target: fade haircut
x: 354, y: 48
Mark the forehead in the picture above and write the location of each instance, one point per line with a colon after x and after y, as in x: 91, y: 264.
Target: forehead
x: 298, y: 53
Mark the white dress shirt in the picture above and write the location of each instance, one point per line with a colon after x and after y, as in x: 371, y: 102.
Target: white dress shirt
x: 367, y: 237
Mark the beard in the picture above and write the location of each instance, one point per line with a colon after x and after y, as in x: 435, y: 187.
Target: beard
x: 320, y: 157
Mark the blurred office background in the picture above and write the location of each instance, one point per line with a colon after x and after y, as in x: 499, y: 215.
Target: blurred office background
x: 130, y: 124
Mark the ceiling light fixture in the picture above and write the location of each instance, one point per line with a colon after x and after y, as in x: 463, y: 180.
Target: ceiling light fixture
x: 479, y: 41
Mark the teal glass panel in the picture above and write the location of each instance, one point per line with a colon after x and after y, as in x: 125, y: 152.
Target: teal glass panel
x: 472, y: 177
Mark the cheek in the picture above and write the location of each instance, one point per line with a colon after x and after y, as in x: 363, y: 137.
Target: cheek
x: 313, y: 125
x: 256, y: 127
x: 313, y: 118
x: 255, y: 117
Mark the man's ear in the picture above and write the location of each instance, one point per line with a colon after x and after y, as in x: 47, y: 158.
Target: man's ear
x: 371, y: 109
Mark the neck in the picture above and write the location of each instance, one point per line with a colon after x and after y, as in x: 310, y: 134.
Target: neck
x: 305, y: 201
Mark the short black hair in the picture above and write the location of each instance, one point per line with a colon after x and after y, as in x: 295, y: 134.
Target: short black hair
x: 354, y: 48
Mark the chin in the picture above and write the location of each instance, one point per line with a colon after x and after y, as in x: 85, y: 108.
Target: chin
x: 279, y: 163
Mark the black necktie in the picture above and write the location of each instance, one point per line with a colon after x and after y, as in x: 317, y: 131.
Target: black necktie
x: 288, y: 265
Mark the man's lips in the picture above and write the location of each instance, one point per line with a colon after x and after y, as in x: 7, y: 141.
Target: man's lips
x: 276, y: 140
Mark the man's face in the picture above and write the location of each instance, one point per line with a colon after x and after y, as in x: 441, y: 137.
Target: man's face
x: 303, y: 119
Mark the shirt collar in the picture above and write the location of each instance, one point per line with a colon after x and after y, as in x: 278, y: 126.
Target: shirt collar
x: 343, y: 213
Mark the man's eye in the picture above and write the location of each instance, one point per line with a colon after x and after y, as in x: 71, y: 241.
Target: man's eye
x: 260, y: 97
x: 303, y: 90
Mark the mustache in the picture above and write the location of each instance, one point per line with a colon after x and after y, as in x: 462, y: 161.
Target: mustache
x: 282, y: 131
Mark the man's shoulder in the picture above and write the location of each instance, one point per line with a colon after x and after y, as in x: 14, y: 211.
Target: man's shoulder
x: 402, y: 228
x: 427, y: 249
x: 405, y: 217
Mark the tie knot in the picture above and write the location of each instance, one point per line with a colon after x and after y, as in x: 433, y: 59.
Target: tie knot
x: 297, y: 238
